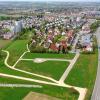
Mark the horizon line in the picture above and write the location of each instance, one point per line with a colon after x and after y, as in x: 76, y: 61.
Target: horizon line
x: 48, y: 1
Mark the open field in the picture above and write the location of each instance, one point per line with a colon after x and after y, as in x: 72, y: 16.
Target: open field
x: 6, y: 70
x: 48, y: 55
x: 20, y: 93
x: 16, y: 49
x: 53, y: 69
x: 84, y: 71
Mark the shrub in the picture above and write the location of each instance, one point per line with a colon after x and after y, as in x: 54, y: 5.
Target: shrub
x: 69, y: 48
x: 38, y: 49
x: 88, y: 52
x: 52, y: 51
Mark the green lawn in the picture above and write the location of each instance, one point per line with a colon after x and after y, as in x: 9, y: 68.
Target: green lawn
x: 4, y: 43
x: 83, y: 73
x: 48, y: 55
x: 6, y: 70
x: 16, y: 49
x: 5, y: 80
x: 53, y: 69
x: 20, y: 93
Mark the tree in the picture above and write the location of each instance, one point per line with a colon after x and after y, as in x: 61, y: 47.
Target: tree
x: 94, y: 26
x: 57, y: 37
x: 4, y: 18
x: 59, y: 49
x: 38, y: 49
x: 33, y: 30
x: 6, y: 30
x: 63, y: 50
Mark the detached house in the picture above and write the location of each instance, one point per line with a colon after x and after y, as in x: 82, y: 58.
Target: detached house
x: 86, y: 29
x: 86, y: 43
x: 8, y: 35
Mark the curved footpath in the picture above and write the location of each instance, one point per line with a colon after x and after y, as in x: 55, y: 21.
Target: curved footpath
x: 96, y: 91
x: 13, y: 67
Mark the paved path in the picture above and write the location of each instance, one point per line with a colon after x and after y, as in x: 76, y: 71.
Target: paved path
x: 28, y: 48
x: 47, y: 59
x: 96, y: 91
x: 19, y: 58
x: 26, y: 79
x: 20, y: 85
x: 69, y: 68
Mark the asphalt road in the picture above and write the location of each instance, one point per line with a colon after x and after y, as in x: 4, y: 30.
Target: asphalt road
x: 96, y: 91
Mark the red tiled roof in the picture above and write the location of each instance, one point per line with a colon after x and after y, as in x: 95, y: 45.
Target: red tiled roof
x: 53, y: 47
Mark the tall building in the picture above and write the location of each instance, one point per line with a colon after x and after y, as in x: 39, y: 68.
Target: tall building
x: 18, y: 26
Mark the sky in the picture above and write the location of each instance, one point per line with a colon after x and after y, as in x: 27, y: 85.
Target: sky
x: 58, y: 0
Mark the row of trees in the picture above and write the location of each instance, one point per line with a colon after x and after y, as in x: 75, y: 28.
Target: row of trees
x: 94, y: 26
x: 4, y: 18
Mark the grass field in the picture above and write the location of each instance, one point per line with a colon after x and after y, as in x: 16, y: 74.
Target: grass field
x: 16, y: 49
x: 20, y: 93
x: 6, y: 70
x: 48, y: 55
x: 83, y: 73
x: 53, y: 69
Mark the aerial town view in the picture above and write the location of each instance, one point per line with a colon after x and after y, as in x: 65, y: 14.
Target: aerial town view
x: 49, y: 50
